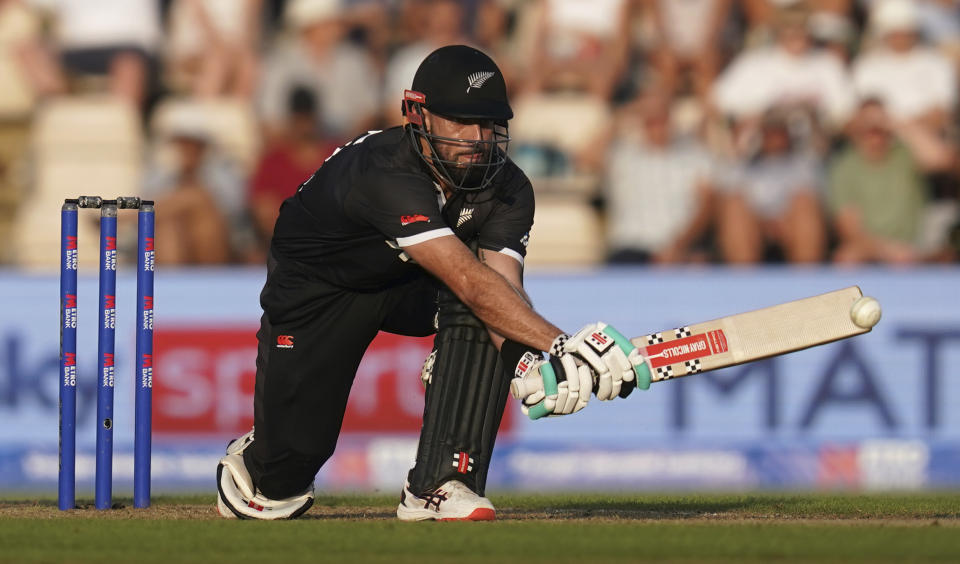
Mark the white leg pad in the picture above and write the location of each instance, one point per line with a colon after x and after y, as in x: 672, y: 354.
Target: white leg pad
x: 236, y: 495
x: 223, y: 510
x: 238, y: 472
x: 237, y: 446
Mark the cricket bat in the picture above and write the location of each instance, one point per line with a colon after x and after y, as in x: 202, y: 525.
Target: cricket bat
x: 749, y: 336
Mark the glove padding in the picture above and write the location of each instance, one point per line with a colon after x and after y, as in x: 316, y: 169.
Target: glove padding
x: 426, y: 371
x: 609, y: 354
x: 565, y: 389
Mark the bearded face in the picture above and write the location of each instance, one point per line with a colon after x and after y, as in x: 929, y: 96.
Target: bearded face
x: 466, y: 153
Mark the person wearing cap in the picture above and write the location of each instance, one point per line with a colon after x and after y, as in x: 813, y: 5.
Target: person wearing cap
x: 318, y: 56
x: 414, y: 230
x: 198, y: 185
x: 791, y: 73
x: 914, y: 82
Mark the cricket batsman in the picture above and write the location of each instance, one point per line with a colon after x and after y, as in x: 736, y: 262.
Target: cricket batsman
x: 416, y: 230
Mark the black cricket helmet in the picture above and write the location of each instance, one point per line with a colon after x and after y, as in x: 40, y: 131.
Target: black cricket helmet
x: 460, y: 82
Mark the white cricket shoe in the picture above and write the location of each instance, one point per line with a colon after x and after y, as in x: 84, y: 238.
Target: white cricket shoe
x: 453, y: 501
x: 238, y: 499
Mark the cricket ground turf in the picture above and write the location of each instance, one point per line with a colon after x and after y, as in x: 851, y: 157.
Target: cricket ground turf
x: 551, y: 528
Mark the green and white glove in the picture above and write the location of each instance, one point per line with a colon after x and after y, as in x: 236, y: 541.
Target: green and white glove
x: 610, y: 356
x: 551, y: 387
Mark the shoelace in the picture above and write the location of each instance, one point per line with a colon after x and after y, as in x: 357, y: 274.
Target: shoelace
x: 435, y: 498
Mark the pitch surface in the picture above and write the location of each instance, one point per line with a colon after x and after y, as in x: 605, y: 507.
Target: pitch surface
x: 547, y: 528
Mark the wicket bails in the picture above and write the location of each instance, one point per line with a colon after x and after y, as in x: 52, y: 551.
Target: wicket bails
x: 105, y: 348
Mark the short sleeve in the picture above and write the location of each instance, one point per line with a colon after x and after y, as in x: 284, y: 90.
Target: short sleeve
x: 403, y: 207
x: 508, y: 228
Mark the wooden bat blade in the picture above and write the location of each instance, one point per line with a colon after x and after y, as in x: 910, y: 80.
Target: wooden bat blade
x: 740, y: 338
x: 750, y: 336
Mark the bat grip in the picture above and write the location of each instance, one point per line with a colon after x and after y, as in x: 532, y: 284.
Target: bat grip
x: 531, y: 383
x: 523, y: 387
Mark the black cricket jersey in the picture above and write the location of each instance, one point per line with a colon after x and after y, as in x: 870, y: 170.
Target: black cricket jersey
x: 349, y: 222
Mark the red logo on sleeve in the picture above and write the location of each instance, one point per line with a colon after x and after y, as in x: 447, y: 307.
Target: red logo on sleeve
x: 284, y: 341
x: 408, y: 219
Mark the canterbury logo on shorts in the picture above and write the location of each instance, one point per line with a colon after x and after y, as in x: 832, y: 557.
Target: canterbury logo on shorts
x: 284, y: 341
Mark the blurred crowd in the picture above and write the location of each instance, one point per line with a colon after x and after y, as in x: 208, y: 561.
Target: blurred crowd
x: 655, y: 131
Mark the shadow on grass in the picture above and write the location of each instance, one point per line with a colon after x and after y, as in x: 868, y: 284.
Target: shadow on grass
x: 575, y: 506
x: 737, y: 506
x: 628, y: 509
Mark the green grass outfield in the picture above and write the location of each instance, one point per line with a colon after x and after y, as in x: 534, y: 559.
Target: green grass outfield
x: 548, y: 528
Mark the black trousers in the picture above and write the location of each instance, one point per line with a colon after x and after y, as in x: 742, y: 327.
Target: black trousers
x: 312, y: 338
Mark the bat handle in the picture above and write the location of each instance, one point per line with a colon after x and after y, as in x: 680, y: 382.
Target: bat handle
x: 531, y: 383
x: 523, y: 387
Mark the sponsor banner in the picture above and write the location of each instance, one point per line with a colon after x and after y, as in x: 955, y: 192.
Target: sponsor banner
x: 204, y: 379
x: 861, y: 413
x: 895, y: 382
x: 380, y: 463
x: 208, y: 377
x: 595, y: 468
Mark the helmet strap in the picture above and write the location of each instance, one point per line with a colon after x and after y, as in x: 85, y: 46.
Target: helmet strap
x: 413, y: 111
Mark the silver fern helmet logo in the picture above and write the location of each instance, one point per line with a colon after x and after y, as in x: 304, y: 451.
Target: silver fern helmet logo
x: 477, y: 79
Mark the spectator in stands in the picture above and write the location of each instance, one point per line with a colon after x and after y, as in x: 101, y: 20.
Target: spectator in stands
x: 112, y: 39
x: 441, y: 23
x: 286, y: 164
x: 370, y: 24
x: 770, y: 206
x: 563, y: 108
x: 687, y: 42
x: 211, y: 46
x: 918, y: 87
x: 913, y: 81
x: 761, y: 16
x: 409, y: 20
x: 789, y: 75
x: 195, y: 187
x: 877, y: 193
x: 27, y: 68
x: 939, y: 24
x: 341, y: 75
x: 494, y: 31
x: 658, y: 196
x: 491, y: 27
x: 580, y: 46
x: 834, y: 33
x: 19, y: 46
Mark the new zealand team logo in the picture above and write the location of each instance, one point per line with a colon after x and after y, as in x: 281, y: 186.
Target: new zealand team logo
x: 466, y: 214
x: 477, y: 79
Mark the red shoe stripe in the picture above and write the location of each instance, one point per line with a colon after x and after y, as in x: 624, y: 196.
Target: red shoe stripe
x: 479, y: 514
